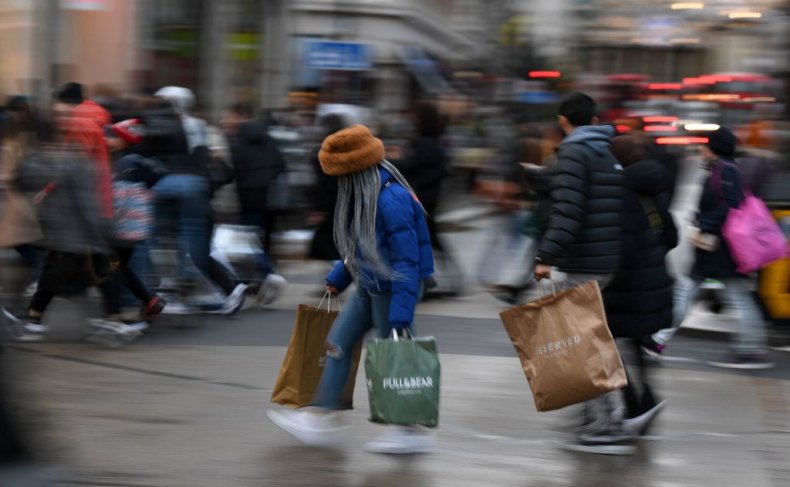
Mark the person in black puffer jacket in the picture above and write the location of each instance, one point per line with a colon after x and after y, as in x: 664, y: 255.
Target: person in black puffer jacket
x: 638, y: 300
x: 584, y: 226
x: 582, y: 238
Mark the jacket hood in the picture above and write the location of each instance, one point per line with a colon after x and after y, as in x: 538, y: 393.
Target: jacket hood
x: 648, y: 177
x: 598, y: 137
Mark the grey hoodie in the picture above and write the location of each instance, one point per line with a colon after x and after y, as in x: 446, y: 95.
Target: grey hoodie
x: 599, y: 137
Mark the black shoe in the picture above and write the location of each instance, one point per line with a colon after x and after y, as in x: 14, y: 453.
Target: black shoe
x: 640, y: 425
x: 652, y: 348
x: 606, y: 442
x: 743, y: 361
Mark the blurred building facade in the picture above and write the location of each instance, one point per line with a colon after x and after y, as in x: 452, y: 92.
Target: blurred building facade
x: 236, y: 50
x: 379, y: 53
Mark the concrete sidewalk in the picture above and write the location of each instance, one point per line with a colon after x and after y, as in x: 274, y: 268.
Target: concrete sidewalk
x: 195, y: 416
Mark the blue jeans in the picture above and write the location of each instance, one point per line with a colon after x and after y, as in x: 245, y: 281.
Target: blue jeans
x: 362, y: 312
x: 187, y: 196
x: 258, y: 219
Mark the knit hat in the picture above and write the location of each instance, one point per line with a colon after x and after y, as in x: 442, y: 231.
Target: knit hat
x: 722, y: 142
x: 70, y: 93
x: 350, y: 150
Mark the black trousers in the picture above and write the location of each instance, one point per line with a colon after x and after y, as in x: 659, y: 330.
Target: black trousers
x: 123, y: 276
x: 638, y: 395
x: 69, y: 273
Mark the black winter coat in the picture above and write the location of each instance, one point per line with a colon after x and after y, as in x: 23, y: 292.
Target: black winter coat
x: 714, y: 205
x: 638, y: 300
x: 324, y: 201
x: 583, y: 232
x: 257, y: 161
x: 425, y: 167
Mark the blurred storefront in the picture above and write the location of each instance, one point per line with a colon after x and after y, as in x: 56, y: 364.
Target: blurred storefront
x: 241, y: 50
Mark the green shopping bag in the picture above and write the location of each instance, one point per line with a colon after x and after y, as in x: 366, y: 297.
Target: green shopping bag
x: 403, y: 380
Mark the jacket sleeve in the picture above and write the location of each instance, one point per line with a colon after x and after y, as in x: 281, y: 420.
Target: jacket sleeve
x: 339, y: 278
x: 729, y: 195
x: 400, y: 231
x: 568, y: 196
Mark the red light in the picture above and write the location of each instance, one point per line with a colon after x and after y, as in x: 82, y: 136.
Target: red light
x: 659, y: 119
x: 702, y: 80
x: 661, y: 128
x: 622, y: 128
x: 544, y: 74
x: 681, y: 140
x: 664, y: 86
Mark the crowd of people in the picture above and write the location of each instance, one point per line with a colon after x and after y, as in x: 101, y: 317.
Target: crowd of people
x: 92, y: 190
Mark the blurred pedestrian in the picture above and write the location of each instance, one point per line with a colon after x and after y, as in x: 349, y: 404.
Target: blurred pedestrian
x: 639, y: 297
x: 582, y: 237
x: 424, y: 165
x: 183, y: 198
x: 75, y: 231
x: 257, y: 162
x: 19, y: 228
x: 322, y: 247
x: 722, y: 190
x: 381, y: 232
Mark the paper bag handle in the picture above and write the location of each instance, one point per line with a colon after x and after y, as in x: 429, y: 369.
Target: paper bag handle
x: 555, y: 288
x: 328, y: 298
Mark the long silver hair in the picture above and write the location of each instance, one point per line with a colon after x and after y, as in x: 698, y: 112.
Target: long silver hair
x: 355, y: 220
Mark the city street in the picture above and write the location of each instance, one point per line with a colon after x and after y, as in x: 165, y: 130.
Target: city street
x: 185, y: 405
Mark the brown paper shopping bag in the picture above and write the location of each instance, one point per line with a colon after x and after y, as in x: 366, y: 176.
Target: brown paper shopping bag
x: 565, y: 347
x: 304, y: 361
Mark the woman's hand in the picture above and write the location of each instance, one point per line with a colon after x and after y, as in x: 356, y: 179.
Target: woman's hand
x: 332, y: 290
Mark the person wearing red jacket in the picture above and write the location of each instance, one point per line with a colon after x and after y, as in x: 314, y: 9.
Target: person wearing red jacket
x: 82, y: 122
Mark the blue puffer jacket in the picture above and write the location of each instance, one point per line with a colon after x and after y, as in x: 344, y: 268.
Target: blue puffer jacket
x: 404, y: 245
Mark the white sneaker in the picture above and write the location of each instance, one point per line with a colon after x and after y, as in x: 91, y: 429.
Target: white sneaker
x: 235, y: 300
x: 31, y: 289
x: 311, y: 428
x: 271, y: 288
x: 403, y: 440
x: 136, y: 327
x: 24, y: 330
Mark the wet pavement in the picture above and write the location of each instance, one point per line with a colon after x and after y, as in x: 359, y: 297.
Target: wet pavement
x: 195, y: 415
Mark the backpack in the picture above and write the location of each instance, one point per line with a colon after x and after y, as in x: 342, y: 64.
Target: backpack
x: 133, y: 211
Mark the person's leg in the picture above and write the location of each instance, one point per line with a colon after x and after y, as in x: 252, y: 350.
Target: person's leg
x: 55, y: 269
x: 751, y: 338
x: 33, y: 258
x: 128, y: 277
x: 255, y: 218
x: 222, y: 276
x: 195, y: 226
x: 350, y: 326
x: 684, y: 295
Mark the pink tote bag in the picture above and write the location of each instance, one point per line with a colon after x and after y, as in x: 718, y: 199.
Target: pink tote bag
x: 753, y: 236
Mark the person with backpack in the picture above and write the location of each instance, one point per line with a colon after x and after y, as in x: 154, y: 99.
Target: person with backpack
x: 61, y: 178
x: 382, y: 235
x: 722, y: 190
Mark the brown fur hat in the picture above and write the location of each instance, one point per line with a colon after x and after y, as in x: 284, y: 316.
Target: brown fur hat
x: 350, y: 150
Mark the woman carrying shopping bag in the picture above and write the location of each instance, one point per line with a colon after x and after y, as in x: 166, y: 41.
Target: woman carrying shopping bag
x: 722, y: 192
x: 381, y: 232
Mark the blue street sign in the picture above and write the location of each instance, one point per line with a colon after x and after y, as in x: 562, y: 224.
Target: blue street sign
x: 338, y: 55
